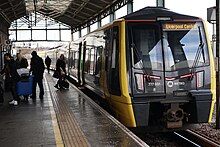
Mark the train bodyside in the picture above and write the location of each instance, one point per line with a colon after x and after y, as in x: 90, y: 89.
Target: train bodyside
x: 145, y: 87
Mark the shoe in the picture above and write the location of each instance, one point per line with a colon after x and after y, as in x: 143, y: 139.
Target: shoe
x: 41, y: 97
x: 15, y: 103
x: 33, y: 97
x: 56, y: 86
x: 12, y: 102
x: 62, y: 88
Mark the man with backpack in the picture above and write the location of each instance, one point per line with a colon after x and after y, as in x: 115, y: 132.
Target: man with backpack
x: 37, y: 68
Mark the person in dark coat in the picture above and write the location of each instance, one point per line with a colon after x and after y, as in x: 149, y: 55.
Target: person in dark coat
x: 21, y: 61
x: 61, y: 70
x: 11, y: 77
x: 48, y: 63
x: 37, y: 69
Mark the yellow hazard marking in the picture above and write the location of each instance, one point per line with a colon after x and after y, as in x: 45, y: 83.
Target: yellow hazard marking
x: 56, y: 129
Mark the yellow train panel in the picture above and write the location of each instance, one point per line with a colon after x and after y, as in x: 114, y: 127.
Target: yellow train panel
x: 213, y: 75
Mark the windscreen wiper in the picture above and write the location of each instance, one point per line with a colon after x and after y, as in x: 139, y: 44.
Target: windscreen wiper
x: 198, y: 54
x: 134, y: 50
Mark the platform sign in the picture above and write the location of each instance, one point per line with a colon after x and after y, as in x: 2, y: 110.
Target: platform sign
x: 211, y: 14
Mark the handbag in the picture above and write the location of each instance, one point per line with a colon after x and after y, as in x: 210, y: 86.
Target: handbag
x: 56, y: 74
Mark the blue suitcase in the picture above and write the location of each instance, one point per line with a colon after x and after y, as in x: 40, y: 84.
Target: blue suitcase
x: 24, y: 86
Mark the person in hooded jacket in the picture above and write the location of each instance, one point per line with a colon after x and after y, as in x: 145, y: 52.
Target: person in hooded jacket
x: 48, y: 63
x: 61, y: 70
x: 11, y: 77
x: 37, y: 68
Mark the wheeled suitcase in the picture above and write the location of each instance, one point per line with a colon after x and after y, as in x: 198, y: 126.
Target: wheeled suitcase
x: 64, y: 84
x: 24, y: 86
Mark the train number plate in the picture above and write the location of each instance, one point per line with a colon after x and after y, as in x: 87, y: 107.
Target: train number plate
x: 180, y: 93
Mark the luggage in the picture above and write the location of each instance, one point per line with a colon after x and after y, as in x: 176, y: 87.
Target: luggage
x: 64, y: 84
x: 24, y: 86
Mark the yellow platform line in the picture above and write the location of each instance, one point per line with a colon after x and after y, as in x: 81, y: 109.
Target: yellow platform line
x: 56, y: 129
x: 71, y: 132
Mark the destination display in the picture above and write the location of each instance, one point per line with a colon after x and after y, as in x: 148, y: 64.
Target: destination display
x: 178, y: 26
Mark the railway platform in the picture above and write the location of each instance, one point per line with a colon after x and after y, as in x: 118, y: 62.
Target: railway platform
x: 63, y: 118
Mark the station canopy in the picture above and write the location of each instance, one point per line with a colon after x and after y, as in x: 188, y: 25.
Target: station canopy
x: 74, y: 13
x: 11, y: 10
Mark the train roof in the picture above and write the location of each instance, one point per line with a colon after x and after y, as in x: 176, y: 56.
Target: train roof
x: 151, y: 13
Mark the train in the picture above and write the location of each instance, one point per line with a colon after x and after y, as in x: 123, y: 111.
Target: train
x: 153, y: 67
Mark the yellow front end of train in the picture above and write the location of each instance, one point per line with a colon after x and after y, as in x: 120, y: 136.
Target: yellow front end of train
x: 154, y: 67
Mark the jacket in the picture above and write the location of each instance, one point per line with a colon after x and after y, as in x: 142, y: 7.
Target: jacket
x: 37, y: 67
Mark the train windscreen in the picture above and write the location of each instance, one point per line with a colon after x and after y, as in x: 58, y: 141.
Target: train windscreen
x: 146, y: 45
x: 184, y: 46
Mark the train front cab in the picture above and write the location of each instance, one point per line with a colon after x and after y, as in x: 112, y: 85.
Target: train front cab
x: 162, y: 83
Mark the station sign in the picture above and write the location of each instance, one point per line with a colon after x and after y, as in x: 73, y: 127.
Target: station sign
x: 211, y: 14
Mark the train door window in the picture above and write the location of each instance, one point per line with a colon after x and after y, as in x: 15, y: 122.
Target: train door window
x: 113, y: 62
x: 75, y: 59
x: 98, y: 61
x: 87, y: 61
x: 92, y: 59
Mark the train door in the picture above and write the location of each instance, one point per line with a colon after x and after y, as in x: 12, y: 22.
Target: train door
x: 80, y: 66
x: 112, y: 61
x: 147, y: 63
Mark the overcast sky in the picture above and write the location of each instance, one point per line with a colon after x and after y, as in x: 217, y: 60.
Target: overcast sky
x: 190, y: 7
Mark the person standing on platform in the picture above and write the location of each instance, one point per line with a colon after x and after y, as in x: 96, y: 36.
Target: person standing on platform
x: 37, y: 69
x: 11, y: 77
x: 61, y: 70
x: 21, y: 61
x: 48, y: 63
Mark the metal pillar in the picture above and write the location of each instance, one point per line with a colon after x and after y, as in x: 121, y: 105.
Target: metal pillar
x: 80, y: 32
x: 160, y: 3
x: 130, y: 7
x: 217, y: 72
x: 46, y: 28
x: 112, y: 16
x: 72, y: 37
x: 88, y: 28
x: 60, y: 32
x: 99, y: 23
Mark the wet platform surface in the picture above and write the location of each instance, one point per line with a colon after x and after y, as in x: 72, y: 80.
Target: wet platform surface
x: 62, y: 118
x: 28, y: 124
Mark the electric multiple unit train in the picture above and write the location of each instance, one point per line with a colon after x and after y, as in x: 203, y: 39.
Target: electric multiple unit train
x: 154, y: 67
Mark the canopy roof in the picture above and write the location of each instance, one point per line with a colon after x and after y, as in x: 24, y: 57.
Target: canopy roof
x: 11, y: 10
x: 75, y: 13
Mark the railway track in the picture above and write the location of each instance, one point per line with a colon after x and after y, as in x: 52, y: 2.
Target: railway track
x: 181, y: 138
x: 196, y: 139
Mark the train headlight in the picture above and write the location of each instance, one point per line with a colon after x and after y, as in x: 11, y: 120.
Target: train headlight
x: 139, y: 82
x: 199, y: 79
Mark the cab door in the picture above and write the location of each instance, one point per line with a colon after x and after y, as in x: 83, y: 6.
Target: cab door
x: 112, y: 61
x: 147, y: 62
